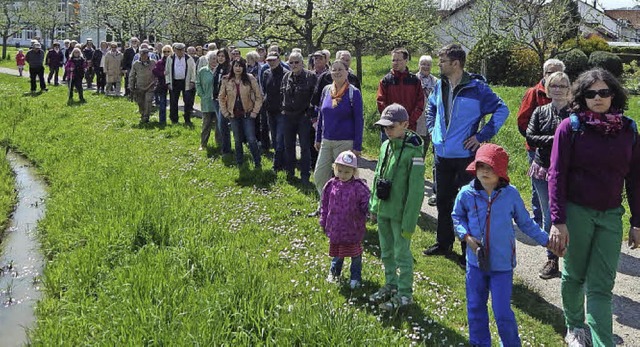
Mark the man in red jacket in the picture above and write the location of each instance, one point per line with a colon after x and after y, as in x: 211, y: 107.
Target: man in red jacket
x: 402, y: 87
x: 534, y: 97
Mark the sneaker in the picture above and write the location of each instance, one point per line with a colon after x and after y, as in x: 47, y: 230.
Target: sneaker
x: 314, y: 213
x: 331, y: 278
x: 397, y: 302
x: 432, y: 201
x: 436, y: 249
x: 383, y: 294
x: 550, y: 269
x: 355, y: 284
x: 578, y: 337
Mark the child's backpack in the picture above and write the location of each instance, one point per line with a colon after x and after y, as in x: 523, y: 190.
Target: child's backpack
x: 577, y: 127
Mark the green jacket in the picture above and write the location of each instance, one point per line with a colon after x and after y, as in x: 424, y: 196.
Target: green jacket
x: 407, y: 176
x: 204, y: 88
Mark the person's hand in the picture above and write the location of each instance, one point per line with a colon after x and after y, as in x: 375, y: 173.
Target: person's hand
x: 192, y: 84
x: 317, y: 146
x: 407, y: 235
x: 169, y: 86
x: 357, y: 153
x: 253, y: 115
x: 471, y: 143
x: 472, y: 242
x: 373, y: 217
x: 634, y: 237
x: 558, y: 239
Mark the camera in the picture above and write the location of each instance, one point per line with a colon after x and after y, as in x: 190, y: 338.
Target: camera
x: 383, y: 189
x: 483, y: 259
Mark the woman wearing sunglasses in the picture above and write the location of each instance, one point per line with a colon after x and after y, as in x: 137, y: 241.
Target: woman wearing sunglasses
x: 595, y: 154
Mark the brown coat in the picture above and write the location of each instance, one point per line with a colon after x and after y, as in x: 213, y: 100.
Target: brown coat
x: 250, y: 96
x: 112, y: 66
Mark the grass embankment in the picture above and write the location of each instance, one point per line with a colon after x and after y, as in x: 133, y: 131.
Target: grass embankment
x: 149, y: 241
x: 7, y: 192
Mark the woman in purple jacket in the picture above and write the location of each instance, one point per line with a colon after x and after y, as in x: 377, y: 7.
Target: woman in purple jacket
x: 595, y: 153
x: 160, y: 93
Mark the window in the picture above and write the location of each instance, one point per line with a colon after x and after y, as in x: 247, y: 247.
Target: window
x: 30, y: 34
x: 17, y: 35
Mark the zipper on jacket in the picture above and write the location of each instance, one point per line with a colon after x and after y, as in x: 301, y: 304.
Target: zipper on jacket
x: 453, y: 103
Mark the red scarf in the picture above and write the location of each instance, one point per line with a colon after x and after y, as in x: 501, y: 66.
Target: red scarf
x: 603, y: 123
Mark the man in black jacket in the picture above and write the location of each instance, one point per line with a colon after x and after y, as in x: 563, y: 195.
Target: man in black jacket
x: 297, y: 89
x: 35, y: 59
x: 271, y: 83
x: 127, y: 61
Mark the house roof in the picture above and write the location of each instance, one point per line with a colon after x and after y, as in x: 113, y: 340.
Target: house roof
x: 633, y: 16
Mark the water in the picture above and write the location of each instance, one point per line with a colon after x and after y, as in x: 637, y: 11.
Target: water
x: 20, y: 260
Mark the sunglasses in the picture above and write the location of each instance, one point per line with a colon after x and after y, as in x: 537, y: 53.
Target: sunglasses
x: 166, y: 51
x: 603, y: 93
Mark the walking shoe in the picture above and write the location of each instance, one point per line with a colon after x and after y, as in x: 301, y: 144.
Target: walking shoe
x: 354, y: 284
x: 436, y: 249
x: 314, y: 213
x: 550, y: 269
x: 397, y: 302
x: 578, y: 337
x: 331, y: 278
x: 431, y: 201
x: 383, y: 294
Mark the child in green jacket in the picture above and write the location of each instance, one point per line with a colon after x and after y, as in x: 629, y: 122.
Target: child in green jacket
x: 395, y: 202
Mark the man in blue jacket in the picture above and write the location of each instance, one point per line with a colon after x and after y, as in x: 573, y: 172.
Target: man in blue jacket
x: 456, y: 108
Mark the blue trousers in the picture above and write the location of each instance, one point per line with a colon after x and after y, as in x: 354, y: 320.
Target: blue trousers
x: 244, y: 128
x: 297, y: 125
x: 535, y: 201
x: 541, y: 187
x: 222, y: 126
x: 500, y: 285
x: 277, y: 122
x: 356, y: 267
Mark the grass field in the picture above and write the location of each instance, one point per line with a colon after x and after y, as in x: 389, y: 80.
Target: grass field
x: 152, y: 242
x: 7, y: 192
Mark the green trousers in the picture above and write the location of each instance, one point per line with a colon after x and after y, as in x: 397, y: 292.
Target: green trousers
x: 396, y: 256
x: 590, y: 267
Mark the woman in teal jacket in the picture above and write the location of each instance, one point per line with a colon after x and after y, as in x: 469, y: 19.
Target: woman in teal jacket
x: 204, y: 88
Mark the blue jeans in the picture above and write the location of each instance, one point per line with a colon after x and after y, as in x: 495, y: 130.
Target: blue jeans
x: 223, y: 129
x: 478, y: 286
x: 356, y: 267
x: 244, y: 128
x: 535, y: 201
x: 541, y: 187
x: 297, y: 125
x: 161, y: 102
x: 276, y: 127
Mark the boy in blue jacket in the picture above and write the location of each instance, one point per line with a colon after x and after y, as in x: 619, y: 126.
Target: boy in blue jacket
x: 483, y: 216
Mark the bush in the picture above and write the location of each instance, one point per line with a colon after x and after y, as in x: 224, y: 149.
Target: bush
x: 575, y: 61
x: 523, y: 69
x: 588, y: 46
x: 607, y: 61
x: 496, y: 55
x: 630, y: 50
x: 631, y: 77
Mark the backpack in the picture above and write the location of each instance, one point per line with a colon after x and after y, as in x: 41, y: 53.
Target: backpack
x: 327, y: 91
x: 577, y: 127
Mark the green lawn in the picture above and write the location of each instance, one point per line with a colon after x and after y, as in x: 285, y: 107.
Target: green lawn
x: 7, y: 192
x: 149, y: 241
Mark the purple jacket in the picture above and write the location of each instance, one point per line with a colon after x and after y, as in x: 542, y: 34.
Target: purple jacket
x: 590, y: 170
x: 345, y: 122
x: 343, y: 210
x: 158, y: 71
x: 54, y: 59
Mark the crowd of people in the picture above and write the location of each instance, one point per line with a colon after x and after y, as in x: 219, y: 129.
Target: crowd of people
x: 582, y: 151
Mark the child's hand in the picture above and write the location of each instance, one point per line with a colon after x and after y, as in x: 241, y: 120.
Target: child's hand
x: 472, y: 242
x: 558, y: 239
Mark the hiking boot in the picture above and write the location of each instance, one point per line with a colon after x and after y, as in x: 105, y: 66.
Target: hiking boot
x: 436, y: 249
x: 578, y: 337
x: 550, y: 269
x: 397, y: 302
x: 432, y: 201
x: 383, y: 294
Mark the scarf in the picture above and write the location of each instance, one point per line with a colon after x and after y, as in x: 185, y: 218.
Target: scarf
x: 603, y: 123
x: 336, y: 95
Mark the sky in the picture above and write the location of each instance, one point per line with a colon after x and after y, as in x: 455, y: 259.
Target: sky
x: 613, y: 4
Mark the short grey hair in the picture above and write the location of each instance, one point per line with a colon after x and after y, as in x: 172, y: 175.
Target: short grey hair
x: 426, y: 58
x: 552, y: 62
x: 212, y: 55
x: 340, y: 53
x: 296, y: 56
x: 253, y: 55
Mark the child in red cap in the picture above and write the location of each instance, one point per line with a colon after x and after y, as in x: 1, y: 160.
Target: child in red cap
x: 343, y: 216
x: 483, y: 216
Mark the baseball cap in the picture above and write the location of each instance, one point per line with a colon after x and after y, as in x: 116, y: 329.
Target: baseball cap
x: 36, y: 45
x: 318, y: 54
x: 392, y: 114
x: 273, y: 56
x: 347, y: 158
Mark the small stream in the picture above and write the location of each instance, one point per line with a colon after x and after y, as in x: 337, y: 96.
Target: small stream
x: 21, y: 262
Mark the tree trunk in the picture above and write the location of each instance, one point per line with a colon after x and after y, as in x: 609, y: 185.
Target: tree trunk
x: 4, y: 46
x: 358, y: 53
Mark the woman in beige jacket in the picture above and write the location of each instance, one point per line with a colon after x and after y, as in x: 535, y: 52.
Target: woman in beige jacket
x: 240, y: 101
x: 113, y: 69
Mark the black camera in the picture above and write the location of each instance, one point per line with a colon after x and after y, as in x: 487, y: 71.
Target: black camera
x: 383, y: 189
x: 483, y: 259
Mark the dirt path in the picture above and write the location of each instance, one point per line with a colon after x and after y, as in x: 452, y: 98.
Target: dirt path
x: 626, y: 293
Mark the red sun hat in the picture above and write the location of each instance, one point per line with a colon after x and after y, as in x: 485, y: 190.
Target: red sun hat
x: 494, y: 156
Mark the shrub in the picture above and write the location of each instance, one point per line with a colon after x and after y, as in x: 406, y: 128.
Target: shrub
x: 630, y: 50
x: 588, y: 46
x: 523, y: 69
x: 631, y: 77
x: 607, y: 61
x: 575, y: 61
x: 496, y: 55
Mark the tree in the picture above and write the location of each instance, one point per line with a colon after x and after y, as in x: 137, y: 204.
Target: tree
x: 47, y: 16
x: 207, y: 21
x: 11, y: 21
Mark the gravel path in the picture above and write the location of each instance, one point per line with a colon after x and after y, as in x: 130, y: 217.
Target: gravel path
x: 626, y: 293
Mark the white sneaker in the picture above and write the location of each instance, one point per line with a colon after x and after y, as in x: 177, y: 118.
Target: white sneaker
x: 397, y: 302
x: 578, y: 337
x: 354, y: 284
x: 331, y: 278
